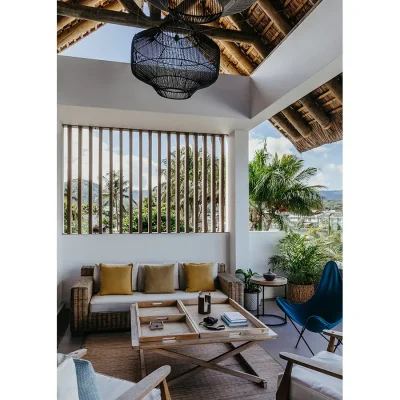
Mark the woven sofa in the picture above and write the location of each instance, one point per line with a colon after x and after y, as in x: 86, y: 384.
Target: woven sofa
x: 93, y: 313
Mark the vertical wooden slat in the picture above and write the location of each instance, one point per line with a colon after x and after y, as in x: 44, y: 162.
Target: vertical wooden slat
x: 90, y: 180
x: 111, y: 177
x: 187, y: 214
x: 140, y: 199
x: 221, y: 187
x: 204, y: 186
x: 121, y: 181
x: 168, y: 194
x: 79, y: 179
x: 130, y: 182
x: 178, y: 184
x: 195, y: 184
x: 69, y: 182
x: 100, y: 180
x: 159, y: 182
x: 150, y: 209
x: 213, y: 183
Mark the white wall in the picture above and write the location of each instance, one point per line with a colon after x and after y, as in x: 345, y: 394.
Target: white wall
x: 263, y: 245
x: 60, y: 211
x: 81, y: 250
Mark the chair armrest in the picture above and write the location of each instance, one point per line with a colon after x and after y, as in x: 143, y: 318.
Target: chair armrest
x: 146, y: 385
x: 335, y: 334
x: 231, y: 286
x: 81, y: 293
x: 311, y: 364
x: 77, y: 354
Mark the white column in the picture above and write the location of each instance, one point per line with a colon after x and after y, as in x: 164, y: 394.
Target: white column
x: 60, y: 208
x: 238, y: 199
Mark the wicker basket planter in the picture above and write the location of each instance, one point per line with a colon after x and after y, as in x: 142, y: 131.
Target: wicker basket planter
x: 300, y: 293
x: 250, y: 301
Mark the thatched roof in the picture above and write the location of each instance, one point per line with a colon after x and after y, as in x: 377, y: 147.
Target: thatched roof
x: 245, y: 40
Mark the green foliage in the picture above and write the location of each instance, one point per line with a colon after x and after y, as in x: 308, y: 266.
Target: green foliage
x: 249, y: 287
x: 302, y: 257
x: 280, y: 184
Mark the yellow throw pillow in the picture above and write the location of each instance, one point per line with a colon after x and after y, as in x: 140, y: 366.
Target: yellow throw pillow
x: 199, y: 277
x: 115, y: 279
x: 159, y: 278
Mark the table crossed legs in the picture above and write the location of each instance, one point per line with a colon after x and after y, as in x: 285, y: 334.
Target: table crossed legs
x: 210, y: 364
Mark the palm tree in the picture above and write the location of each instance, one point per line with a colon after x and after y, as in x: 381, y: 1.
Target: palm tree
x: 191, y: 180
x: 278, y: 185
x: 114, y: 184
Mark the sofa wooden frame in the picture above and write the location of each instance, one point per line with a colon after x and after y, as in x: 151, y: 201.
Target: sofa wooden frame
x: 82, y: 320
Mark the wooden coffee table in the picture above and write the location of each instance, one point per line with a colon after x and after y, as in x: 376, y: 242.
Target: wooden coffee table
x: 181, y: 328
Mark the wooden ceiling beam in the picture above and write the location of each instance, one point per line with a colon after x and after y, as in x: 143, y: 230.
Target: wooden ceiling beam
x: 290, y: 130
x: 335, y: 86
x: 132, y: 7
x: 155, y: 13
x: 274, y: 16
x: 64, y: 21
x: 316, y: 111
x: 240, y: 21
x: 119, y: 18
x: 296, y: 120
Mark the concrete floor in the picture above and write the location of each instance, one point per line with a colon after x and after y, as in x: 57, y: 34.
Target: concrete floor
x: 287, y: 338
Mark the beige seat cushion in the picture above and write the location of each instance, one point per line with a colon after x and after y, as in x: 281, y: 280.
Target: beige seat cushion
x: 122, y: 303
x: 111, y: 388
x: 141, y: 278
x: 313, y: 385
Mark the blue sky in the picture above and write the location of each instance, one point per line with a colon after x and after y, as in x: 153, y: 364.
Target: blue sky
x: 113, y: 43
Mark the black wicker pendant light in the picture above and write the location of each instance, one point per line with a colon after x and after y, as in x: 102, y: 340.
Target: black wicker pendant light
x: 201, y: 11
x: 175, y: 59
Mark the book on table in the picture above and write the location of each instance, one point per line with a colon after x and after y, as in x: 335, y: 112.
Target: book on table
x: 234, y: 319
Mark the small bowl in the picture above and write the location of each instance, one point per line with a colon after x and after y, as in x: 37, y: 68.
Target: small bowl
x: 269, y: 276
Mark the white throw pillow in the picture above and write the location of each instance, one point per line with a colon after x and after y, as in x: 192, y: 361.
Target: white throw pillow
x: 67, y: 384
x: 182, y: 278
x: 140, y: 280
x: 96, y: 275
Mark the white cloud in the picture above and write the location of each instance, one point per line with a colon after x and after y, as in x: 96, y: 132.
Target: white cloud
x: 274, y: 145
x: 319, y: 179
x: 335, y: 167
x: 321, y: 149
x: 106, y: 163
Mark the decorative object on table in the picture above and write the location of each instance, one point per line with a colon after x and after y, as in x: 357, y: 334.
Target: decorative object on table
x: 261, y: 282
x: 324, y: 310
x: 209, y: 322
x: 269, y: 276
x: 250, y: 290
x: 301, y: 259
x: 156, y: 325
x: 233, y: 319
x: 175, y: 59
x: 204, y: 303
x: 201, y: 12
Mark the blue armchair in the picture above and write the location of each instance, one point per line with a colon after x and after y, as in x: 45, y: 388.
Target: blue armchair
x: 324, y: 310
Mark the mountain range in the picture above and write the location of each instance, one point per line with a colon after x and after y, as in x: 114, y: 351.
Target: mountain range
x: 332, y: 194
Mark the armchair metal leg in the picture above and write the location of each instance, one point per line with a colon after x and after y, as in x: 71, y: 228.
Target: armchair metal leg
x: 301, y: 335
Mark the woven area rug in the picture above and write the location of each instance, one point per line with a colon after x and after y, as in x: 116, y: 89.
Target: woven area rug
x: 112, y: 354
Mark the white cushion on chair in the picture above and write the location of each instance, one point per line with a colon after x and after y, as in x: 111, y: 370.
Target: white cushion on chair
x: 122, y: 303
x: 111, y: 388
x: 67, y: 384
x: 307, y: 384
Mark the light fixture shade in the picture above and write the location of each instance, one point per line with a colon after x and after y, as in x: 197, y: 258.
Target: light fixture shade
x: 201, y: 11
x: 175, y: 60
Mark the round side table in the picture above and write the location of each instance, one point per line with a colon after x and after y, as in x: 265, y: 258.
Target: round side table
x: 277, y: 282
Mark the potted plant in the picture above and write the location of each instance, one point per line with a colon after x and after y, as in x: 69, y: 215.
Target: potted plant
x: 301, y: 259
x: 250, y: 289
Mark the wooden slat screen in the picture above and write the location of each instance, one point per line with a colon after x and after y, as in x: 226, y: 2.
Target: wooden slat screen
x: 183, y: 189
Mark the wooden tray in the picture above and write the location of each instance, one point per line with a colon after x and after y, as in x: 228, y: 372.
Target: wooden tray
x: 177, y: 325
x: 255, y: 326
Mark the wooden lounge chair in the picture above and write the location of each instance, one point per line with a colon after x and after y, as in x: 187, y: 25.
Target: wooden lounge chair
x: 316, y: 378
x: 118, y: 389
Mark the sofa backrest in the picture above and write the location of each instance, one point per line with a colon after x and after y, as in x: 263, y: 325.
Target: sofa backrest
x: 138, y: 274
